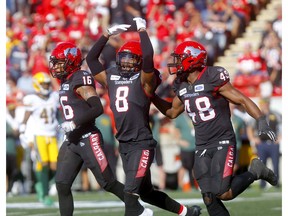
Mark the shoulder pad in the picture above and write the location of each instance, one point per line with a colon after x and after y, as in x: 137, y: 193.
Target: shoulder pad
x: 218, y: 76
x: 82, y: 78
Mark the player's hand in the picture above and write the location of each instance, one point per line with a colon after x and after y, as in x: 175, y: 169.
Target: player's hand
x: 22, y: 128
x: 264, y: 130
x: 118, y: 29
x: 24, y: 140
x: 140, y: 23
x: 67, y: 126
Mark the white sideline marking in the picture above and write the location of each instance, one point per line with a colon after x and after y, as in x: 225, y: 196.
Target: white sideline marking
x: 114, y: 204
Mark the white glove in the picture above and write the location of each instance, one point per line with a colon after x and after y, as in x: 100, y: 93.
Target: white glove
x: 24, y: 140
x: 22, y: 128
x: 117, y: 29
x: 67, y: 126
x: 140, y: 23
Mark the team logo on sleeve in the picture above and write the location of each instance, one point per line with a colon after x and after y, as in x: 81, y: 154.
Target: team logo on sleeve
x: 198, y: 88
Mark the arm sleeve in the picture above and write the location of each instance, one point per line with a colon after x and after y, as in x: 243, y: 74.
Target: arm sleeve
x: 93, y: 55
x: 96, y: 109
x: 147, y: 51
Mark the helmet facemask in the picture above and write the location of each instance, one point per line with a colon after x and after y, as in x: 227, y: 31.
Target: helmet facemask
x: 128, y: 63
x: 42, y: 83
x: 188, y: 57
x: 57, y: 68
x: 44, y: 88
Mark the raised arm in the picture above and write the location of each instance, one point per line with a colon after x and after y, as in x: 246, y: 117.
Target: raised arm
x: 93, y: 55
x: 148, y: 77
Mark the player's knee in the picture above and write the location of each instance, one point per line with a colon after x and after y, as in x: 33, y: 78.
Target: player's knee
x: 226, y: 196
x: 214, y: 205
x: 208, y: 198
x: 63, y: 188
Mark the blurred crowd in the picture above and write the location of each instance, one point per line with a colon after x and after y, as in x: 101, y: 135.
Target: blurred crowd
x: 34, y: 27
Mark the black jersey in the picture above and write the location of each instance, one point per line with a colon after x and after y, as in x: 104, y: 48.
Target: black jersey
x: 73, y: 104
x: 209, y: 110
x: 130, y: 106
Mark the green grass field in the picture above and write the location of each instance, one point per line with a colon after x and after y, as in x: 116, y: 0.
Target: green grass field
x: 253, y: 202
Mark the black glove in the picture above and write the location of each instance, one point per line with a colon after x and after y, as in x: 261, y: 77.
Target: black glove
x: 264, y: 131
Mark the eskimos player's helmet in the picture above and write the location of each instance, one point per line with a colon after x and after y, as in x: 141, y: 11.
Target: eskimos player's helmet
x: 129, y: 58
x: 42, y: 83
x: 65, y: 59
x: 187, y: 57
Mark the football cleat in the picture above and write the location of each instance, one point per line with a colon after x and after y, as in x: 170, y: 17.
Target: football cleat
x: 47, y: 201
x: 261, y: 171
x: 194, y: 210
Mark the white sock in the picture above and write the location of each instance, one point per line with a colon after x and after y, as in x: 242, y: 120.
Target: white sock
x: 184, y: 211
x: 147, y: 212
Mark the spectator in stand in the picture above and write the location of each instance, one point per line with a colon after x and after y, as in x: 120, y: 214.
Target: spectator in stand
x: 223, y: 22
x: 265, y: 148
x: 271, y: 52
x: 133, y: 8
x: 39, y: 32
x: 242, y: 9
x: 249, y: 62
x: 24, y: 83
x: 102, y: 10
x: 204, y: 35
x: 251, y: 75
x: 38, y: 61
x: 164, y: 26
x: 277, y: 23
x: 18, y: 60
x: 12, y: 91
x: 75, y: 29
x: 117, y: 12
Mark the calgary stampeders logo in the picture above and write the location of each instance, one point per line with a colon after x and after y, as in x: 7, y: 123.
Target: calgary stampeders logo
x: 98, y: 151
x: 143, y: 163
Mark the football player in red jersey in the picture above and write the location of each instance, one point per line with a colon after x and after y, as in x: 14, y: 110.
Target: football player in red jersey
x: 204, y: 92
x: 131, y: 84
x: 83, y: 142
